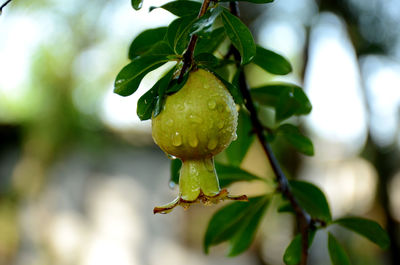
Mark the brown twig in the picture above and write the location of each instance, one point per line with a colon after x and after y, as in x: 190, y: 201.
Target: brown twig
x: 3, y: 5
x: 188, y: 55
x: 303, y: 218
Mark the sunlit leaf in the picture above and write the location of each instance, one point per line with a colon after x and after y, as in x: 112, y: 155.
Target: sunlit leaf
x: 367, y: 228
x: 336, y: 252
x: 312, y: 199
x: 129, y: 78
x: 293, y: 135
x: 239, y: 35
x: 272, y: 62
x: 145, y: 40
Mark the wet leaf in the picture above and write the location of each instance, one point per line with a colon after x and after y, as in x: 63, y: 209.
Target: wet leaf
x: 239, y: 35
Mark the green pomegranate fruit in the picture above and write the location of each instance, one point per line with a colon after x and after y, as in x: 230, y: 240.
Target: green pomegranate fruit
x: 197, y: 122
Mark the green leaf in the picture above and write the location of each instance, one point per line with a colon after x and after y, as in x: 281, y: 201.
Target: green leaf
x: 292, y: 254
x: 336, y: 252
x: 239, y: 35
x: 238, y: 149
x: 203, y: 25
x: 146, y: 104
x: 268, y: 95
x: 287, y: 99
x: 178, y: 33
x: 151, y: 102
x: 129, y: 78
x: 228, y: 174
x: 145, y: 40
x: 162, y: 84
x: 246, y: 233
x: 285, y: 207
x: 176, y: 165
x: 236, y: 222
x: 181, y: 8
x: 293, y: 135
x: 312, y: 199
x: 161, y: 48
x: 137, y: 4
x: 207, y: 60
x: 272, y: 62
x: 250, y: 1
x: 209, y: 43
x: 175, y: 86
x: 367, y: 228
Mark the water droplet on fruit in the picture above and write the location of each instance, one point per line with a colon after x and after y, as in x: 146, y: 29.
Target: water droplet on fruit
x: 193, y: 141
x: 212, y: 104
x: 171, y: 157
x: 195, y: 119
x: 169, y: 122
x: 220, y: 124
x: 171, y: 184
x: 227, y: 109
x: 176, y: 139
x: 180, y: 107
x: 220, y: 108
x: 234, y: 137
x: 208, y: 163
x: 212, y: 143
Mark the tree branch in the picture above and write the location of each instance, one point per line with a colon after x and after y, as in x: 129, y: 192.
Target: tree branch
x: 188, y: 55
x: 3, y: 5
x: 304, y: 221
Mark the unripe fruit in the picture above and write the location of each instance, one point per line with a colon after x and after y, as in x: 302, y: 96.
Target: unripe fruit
x: 197, y: 122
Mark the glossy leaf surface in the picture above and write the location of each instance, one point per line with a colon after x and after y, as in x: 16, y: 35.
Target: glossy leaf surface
x: 239, y: 35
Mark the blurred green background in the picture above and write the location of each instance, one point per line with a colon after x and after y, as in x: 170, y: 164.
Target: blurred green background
x: 79, y: 173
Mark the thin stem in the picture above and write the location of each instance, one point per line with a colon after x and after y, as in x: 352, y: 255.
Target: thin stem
x: 303, y: 218
x: 188, y: 55
x: 3, y: 5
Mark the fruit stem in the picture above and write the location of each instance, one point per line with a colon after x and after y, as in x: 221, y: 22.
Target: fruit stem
x: 198, y: 176
x: 188, y: 55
